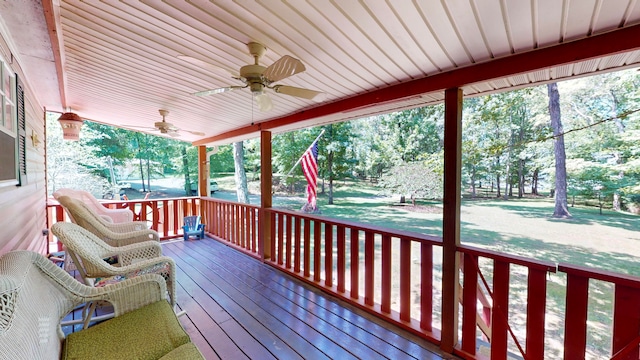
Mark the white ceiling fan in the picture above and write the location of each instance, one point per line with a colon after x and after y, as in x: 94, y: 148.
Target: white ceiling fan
x: 165, y: 127
x: 258, y: 78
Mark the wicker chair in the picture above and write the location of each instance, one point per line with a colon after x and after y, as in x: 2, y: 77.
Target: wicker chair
x: 110, y: 215
x: 100, y: 264
x: 113, y: 234
x: 35, y: 295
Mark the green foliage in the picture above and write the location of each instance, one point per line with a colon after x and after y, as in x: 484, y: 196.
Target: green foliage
x: 222, y: 161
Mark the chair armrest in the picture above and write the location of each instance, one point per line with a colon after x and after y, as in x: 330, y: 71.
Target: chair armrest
x: 122, y: 239
x: 133, y: 253
x: 129, y: 294
x: 106, y: 218
x: 125, y: 296
x: 127, y: 227
x: 169, y: 277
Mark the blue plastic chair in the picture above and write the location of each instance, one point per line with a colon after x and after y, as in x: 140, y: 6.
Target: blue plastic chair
x: 193, y: 227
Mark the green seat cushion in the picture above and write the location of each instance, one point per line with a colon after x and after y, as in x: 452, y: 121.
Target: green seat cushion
x: 146, y: 333
x: 185, y: 352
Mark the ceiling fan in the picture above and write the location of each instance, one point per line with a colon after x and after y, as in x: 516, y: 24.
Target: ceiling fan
x: 258, y: 78
x: 167, y: 128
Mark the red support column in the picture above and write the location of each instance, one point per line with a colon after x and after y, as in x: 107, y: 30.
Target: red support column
x: 266, y: 199
x: 451, y: 217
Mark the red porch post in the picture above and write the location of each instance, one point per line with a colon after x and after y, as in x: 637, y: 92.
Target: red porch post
x: 266, y: 201
x: 203, y: 176
x: 451, y: 217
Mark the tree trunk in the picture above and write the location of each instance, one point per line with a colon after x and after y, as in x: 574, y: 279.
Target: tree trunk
x: 240, y: 175
x: 617, y: 205
x: 616, y: 201
x: 141, y: 165
x: 148, y: 174
x: 498, y: 186
x: 330, y: 170
x: 561, y: 208
x: 520, y: 178
x: 473, y: 182
x: 142, y: 175
x: 185, y: 170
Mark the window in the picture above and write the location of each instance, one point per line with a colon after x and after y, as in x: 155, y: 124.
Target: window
x: 9, y: 133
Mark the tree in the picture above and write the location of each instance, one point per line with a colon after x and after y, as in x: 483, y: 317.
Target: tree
x: 240, y: 174
x: 334, y: 146
x: 561, y: 209
x: 413, y: 179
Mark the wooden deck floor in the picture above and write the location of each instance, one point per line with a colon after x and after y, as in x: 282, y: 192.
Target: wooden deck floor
x: 240, y: 308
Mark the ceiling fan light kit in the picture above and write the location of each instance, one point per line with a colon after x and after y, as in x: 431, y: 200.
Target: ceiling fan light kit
x: 258, y: 78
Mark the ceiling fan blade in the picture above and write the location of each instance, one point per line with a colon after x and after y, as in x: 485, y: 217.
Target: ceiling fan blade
x: 299, y: 92
x: 217, y: 91
x: 138, y: 127
x: 283, y: 68
x: 197, y: 133
x: 205, y: 65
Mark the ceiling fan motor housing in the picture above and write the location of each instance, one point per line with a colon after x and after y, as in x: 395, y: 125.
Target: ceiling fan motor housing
x: 253, y: 76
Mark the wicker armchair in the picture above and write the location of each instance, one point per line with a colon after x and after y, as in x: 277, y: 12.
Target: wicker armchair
x: 89, y: 253
x: 35, y: 295
x: 113, y: 234
x: 110, y: 215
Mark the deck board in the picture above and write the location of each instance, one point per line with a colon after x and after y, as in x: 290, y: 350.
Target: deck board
x: 265, y: 313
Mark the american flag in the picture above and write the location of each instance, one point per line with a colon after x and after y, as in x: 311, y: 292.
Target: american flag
x: 310, y: 169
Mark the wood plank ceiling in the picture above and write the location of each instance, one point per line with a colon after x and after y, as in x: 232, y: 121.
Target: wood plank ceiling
x: 120, y: 60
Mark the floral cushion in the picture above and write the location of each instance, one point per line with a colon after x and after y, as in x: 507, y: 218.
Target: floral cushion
x: 162, y: 269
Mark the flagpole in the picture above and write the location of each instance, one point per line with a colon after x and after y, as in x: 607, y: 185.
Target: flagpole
x: 300, y: 159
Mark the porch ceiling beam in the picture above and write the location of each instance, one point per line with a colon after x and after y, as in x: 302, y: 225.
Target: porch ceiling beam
x: 610, y: 43
x: 52, y: 17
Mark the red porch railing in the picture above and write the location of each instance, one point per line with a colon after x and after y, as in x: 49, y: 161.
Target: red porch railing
x: 233, y: 223
x: 531, y: 346
x: 387, y: 272
x: 625, y: 312
x: 396, y: 276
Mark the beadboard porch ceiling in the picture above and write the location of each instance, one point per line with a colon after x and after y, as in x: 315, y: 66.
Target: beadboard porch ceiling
x: 119, y: 62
